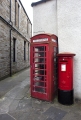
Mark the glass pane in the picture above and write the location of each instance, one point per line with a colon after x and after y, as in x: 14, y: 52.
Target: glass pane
x: 39, y: 72
x: 38, y: 76
x: 39, y: 48
x: 55, y: 49
x: 36, y: 65
x: 55, y: 59
x: 38, y: 54
x: 41, y: 54
x: 40, y: 60
x: 40, y: 89
x: 54, y: 54
x: 39, y: 83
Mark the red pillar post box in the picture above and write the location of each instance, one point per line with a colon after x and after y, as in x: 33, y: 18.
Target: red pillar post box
x: 43, y: 51
x: 65, y: 78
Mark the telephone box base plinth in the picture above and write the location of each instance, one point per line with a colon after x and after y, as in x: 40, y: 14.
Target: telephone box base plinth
x: 65, y: 97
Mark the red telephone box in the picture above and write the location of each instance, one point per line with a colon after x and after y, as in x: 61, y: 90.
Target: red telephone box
x: 43, y: 50
x: 65, y: 78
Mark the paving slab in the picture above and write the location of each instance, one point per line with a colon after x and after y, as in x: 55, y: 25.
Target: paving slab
x: 55, y: 113
x: 49, y: 119
x: 24, y: 104
x: 17, y: 103
x: 6, y: 117
x: 16, y: 114
x: 13, y: 106
x: 8, y: 83
x: 72, y: 116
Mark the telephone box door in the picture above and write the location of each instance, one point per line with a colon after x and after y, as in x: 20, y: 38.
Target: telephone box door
x: 39, y: 78
x: 64, y: 73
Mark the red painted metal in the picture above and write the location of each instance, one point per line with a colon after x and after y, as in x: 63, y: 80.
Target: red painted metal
x: 42, y: 66
x: 65, y: 71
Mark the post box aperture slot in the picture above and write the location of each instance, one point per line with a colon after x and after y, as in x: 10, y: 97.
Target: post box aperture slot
x: 63, y: 61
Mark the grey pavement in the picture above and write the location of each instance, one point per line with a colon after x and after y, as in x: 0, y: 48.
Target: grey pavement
x: 17, y: 104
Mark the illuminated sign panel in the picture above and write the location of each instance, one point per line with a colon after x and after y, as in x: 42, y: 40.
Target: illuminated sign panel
x: 41, y: 40
x: 53, y: 40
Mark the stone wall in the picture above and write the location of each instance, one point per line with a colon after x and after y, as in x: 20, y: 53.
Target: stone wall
x: 4, y: 49
x: 20, y: 62
x: 5, y: 9
x: 19, y: 33
x: 23, y: 20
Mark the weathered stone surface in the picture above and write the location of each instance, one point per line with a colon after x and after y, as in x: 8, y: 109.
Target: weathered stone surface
x: 5, y: 38
x: 6, y: 117
x: 14, y: 106
x: 55, y: 113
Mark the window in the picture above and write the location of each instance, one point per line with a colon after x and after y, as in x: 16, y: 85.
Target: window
x: 16, y: 13
x: 27, y: 25
x: 28, y: 51
x: 24, y: 50
x: 14, y: 50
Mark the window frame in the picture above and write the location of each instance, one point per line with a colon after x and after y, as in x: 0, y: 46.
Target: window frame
x: 17, y: 7
x: 14, y: 49
x: 24, y: 50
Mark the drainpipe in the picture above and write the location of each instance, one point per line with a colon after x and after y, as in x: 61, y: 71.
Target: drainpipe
x: 10, y: 10
x: 10, y: 54
x: 31, y: 30
x: 57, y: 22
x: 10, y: 42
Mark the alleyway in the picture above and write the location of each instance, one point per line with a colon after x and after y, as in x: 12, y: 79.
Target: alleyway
x: 16, y: 103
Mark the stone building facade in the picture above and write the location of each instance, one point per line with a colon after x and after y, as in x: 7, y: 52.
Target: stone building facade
x: 62, y: 18
x: 15, y: 33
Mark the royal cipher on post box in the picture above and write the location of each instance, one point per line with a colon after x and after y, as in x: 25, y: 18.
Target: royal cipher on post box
x: 65, y: 78
x: 43, y: 51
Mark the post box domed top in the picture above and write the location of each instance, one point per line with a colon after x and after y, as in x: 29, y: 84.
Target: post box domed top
x: 66, y: 54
